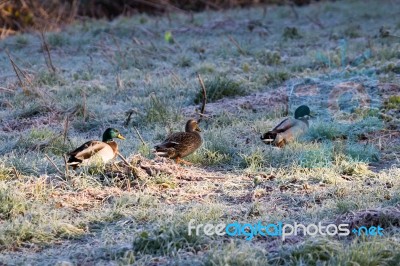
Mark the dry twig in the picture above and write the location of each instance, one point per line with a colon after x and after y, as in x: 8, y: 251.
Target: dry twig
x: 294, y: 11
x: 128, y: 119
x: 140, y: 136
x: 46, y: 53
x: 18, y: 71
x: 55, y: 166
x: 203, y: 106
x: 66, y: 128
x: 66, y: 165
x: 123, y: 159
x: 243, y: 52
x: 316, y: 21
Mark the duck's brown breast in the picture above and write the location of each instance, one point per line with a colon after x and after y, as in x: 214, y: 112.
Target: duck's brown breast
x: 114, y: 147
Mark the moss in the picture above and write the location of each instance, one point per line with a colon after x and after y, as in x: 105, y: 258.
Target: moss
x: 57, y: 40
x: 271, y: 58
x: 164, y: 240
x: 352, y: 31
x: 291, y: 33
x: 12, y: 203
x: 392, y: 103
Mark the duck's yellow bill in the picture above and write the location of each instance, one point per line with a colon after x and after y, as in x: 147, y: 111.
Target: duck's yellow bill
x: 120, y: 136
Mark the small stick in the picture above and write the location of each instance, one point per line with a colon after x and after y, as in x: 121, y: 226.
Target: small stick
x: 46, y: 49
x: 191, y: 20
x: 176, y: 77
x: 18, y: 71
x: 66, y: 165
x: 296, y: 15
x: 389, y: 117
x: 134, y: 169
x: 119, y: 81
x: 55, y: 166
x: 66, y: 127
x: 214, y: 177
x: 7, y: 90
x: 316, y: 21
x: 128, y: 185
x: 128, y: 119
x: 236, y: 44
x: 84, y: 111
x: 203, y: 107
x: 15, y: 68
x: 140, y: 137
x: 169, y: 17
x: 121, y: 54
x: 16, y: 172
x: 124, y: 160
x: 116, y: 166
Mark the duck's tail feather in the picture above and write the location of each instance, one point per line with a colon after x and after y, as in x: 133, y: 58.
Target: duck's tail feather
x: 269, y: 137
x: 161, y: 153
x: 74, y: 162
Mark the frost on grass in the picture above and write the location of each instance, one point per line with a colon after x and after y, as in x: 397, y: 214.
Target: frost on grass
x: 257, y: 69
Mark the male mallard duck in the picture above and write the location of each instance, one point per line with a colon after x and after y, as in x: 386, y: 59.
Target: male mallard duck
x: 289, y: 129
x: 181, y: 144
x: 106, y: 149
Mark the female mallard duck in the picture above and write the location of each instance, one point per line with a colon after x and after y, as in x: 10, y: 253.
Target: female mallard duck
x: 289, y: 129
x: 181, y: 144
x: 106, y: 149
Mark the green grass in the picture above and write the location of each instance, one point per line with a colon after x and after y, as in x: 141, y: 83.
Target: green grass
x: 12, y: 204
x: 220, y: 87
x: 393, y: 102
x: 365, y: 252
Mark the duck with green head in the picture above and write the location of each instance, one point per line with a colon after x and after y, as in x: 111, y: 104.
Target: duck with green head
x: 106, y: 150
x: 181, y: 144
x: 289, y: 129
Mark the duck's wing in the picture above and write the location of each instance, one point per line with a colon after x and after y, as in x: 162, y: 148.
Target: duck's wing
x: 176, y: 139
x: 270, y: 136
x: 88, y: 149
x: 168, y: 147
x: 179, y: 144
x: 296, y: 130
x: 284, y: 125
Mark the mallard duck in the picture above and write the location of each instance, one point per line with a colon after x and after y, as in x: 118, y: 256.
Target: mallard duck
x: 106, y: 149
x: 289, y: 129
x: 181, y: 144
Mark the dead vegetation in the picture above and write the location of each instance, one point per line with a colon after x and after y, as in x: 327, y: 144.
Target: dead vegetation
x: 23, y: 15
x: 384, y: 217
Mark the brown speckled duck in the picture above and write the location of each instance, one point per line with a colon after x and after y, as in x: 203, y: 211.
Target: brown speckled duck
x: 106, y: 149
x: 289, y: 129
x: 181, y: 144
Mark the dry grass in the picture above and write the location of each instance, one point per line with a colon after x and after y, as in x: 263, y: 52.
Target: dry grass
x: 25, y: 16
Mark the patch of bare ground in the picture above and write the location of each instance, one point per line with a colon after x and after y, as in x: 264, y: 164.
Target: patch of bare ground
x: 388, y: 143
x: 384, y: 217
x: 266, y: 102
x: 143, y: 168
x: 21, y: 124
